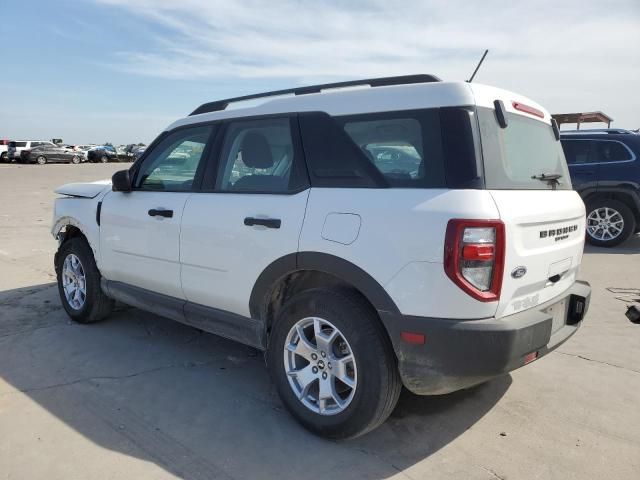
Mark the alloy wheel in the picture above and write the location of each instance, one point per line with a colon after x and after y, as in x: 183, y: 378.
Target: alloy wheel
x: 605, y: 224
x: 74, y: 282
x: 320, y: 366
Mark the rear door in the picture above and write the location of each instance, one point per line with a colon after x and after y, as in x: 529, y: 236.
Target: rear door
x: 140, y: 230
x: 583, y: 165
x: 248, y: 215
x: 544, y: 219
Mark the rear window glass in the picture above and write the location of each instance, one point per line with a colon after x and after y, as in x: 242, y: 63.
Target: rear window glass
x: 516, y: 157
x: 611, y: 151
x: 20, y: 144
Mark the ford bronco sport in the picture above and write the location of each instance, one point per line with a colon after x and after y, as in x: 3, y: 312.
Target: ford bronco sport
x: 366, y: 235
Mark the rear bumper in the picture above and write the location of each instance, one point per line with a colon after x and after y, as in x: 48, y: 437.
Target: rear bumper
x: 458, y: 354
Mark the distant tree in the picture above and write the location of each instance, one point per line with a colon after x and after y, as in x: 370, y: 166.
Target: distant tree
x: 108, y: 144
x: 141, y: 145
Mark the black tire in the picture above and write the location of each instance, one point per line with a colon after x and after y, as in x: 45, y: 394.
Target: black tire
x: 3, y: 157
x: 97, y: 305
x: 41, y: 160
x: 76, y: 160
x: 378, y: 381
x: 625, y: 212
x: 104, y: 159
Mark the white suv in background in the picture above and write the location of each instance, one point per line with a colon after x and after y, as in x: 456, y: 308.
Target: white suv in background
x: 402, y: 231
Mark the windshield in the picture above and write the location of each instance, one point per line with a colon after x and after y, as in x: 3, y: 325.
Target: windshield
x: 520, y: 155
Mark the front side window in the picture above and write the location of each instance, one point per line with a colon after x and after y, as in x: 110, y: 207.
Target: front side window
x: 256, y: 156
x: 172, y: 164
x: 577, y: 152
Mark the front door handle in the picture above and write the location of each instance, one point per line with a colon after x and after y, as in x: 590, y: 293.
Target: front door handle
x: 160, y: 212
x: 265, y: 222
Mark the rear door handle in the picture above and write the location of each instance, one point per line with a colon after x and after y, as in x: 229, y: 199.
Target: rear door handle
x: 160, y: 212
x: 265, y: 222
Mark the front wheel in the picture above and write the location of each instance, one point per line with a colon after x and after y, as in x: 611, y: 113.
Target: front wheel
x: 75, y: 159
x: 3, y: 157
x: 41, y: 160
x: 609, y: 222
x: 333, y: 364
x: 79, y: 283
x: 104, y: 159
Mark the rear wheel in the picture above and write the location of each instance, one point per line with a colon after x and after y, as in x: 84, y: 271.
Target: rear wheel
x: 79, y: 283
x: 609, y: 222
x: 333, y: 364
x: 41, y: 160
x: 3, y: 157
x: 75, y: 159
x: 104, y: 159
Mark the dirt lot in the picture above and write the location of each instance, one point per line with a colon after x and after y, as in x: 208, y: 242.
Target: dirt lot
x: 142, y: 397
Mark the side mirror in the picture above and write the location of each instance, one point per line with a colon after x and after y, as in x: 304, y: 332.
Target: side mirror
x: 121, y: 182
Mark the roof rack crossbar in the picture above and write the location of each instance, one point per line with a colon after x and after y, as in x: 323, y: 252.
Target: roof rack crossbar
x: 372, y: 82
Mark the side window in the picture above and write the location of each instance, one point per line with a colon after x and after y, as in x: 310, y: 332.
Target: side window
x: 612, y: 151
x: 405, y: 147
x: 257, y: 156
x: 172, y: 164
x: 577, y: 151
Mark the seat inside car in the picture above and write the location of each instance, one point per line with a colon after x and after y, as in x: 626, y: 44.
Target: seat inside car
x: 256, y: 154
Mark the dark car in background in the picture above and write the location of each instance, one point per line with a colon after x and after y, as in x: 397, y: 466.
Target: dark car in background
x: 103, y: 153
x: 605, y: 171
x: 49, y: 153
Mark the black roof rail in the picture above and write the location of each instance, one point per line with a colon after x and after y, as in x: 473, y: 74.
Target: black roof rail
x: 596, y: 130
x: 372, y: 82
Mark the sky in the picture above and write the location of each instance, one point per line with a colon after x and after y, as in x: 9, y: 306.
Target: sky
x: 92, y: 71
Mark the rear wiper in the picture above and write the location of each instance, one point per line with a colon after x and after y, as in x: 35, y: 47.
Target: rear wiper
x: 551, y: 178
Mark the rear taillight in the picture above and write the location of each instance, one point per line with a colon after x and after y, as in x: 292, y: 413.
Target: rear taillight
x: 474, y: 257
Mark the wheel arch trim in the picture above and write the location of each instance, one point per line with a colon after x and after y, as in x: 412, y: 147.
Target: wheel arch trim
x: 343, y: 269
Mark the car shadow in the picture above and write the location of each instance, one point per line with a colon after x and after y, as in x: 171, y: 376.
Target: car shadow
x: 630, y: 247
x: 197, y: 405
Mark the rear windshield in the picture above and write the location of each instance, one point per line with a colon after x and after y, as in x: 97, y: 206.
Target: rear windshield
x: 516, y: 157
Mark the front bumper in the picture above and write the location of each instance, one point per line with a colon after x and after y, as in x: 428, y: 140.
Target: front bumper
x: 458, y: 354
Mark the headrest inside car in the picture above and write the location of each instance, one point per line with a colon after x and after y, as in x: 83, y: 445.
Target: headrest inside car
x: 256, y: 152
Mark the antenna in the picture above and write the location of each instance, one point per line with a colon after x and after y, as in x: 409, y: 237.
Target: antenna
x: 478, y: 67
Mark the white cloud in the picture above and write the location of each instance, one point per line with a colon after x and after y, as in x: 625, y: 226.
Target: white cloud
x: 571, y: 55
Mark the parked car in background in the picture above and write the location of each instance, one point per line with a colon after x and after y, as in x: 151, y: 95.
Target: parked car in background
x: 16, y: 146
x: 4, y: 145
x: 102, y: 153
x: 131, y: 150
x: 50, y: 153
x: 605, y: 170
x: 137, y: 152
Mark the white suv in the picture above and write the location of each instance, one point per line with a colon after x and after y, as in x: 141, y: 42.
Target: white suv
x: 403, y: 231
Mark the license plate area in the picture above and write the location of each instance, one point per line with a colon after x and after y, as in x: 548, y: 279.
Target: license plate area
x: 558, y: 313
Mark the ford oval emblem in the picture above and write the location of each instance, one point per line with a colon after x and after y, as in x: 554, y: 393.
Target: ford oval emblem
x: 519, y: 272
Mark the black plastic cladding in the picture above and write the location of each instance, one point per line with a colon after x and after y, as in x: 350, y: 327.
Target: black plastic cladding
x: 372, y: 82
